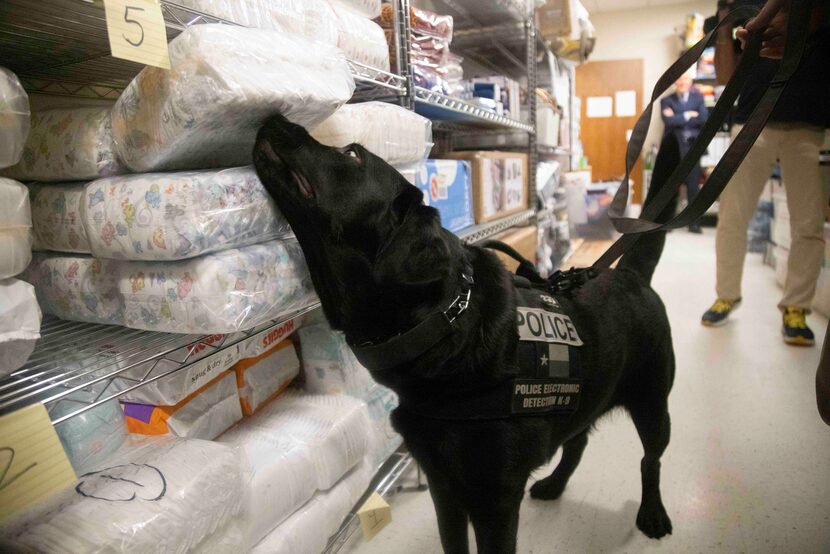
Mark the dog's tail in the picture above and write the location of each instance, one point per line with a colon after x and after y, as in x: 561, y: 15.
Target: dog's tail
x: 643, y: 256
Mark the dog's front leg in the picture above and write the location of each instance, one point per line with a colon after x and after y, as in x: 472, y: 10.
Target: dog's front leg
x: 452, y: 517
x: 495, y: 517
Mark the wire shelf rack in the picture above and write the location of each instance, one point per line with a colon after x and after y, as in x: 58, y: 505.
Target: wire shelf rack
x: 478, y: 233
x: 61, y: 47
x: 89, y: 364
x: 440, y: 107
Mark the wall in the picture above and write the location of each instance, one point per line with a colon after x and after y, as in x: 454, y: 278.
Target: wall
x: 647, y: 33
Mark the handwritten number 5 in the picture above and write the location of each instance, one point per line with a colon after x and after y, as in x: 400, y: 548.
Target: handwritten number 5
x: 133, y: 22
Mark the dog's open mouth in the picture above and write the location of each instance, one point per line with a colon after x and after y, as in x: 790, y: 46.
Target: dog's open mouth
x: 304, y: 186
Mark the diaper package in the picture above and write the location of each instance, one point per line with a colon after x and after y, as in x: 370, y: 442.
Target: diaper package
x: 223, y: 84
x: 14, y: 118
x: 156, y: 216
x: 15, y: 228
x: 91, y: 437
x: 361, y: 39
x: 297, y: 445
x: 19, y: 324
x: 263, y: 377
x: 68, y: 144
x: 204, y: 414
x: 384, y: 440
x: 160, y: 494
x: 223, y: 292
x: 399, y: 136
x: 308, y: 529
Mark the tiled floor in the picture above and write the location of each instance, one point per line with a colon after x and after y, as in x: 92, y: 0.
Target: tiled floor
x: 748, y: 468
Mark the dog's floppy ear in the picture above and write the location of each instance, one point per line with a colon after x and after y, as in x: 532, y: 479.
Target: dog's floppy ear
x: 416, y: 253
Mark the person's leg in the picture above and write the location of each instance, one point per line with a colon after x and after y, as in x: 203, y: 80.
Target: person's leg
x: 737, y: 204
x: 806, y: 199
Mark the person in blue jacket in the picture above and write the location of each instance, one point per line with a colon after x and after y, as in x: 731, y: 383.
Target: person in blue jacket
x: 684, y: 113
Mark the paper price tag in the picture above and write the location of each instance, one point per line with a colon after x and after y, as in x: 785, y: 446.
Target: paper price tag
x: 137, y: 31
x: 33, y: 464
x: 375, y: 514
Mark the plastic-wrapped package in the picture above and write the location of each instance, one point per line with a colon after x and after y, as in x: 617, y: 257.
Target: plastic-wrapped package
x: 156, y: 216
x: 91, y: 437
x: 329, y: 365
x: 385, y: 439
x: 249, y: 13
x: 58, y: 217
x: 422, y: 21
x: 19, y: 324
x: 205, y: 414
x: 320, y: 21
x: 68, y: 144
x: 308, y: 529
x: 15, y: 228
x: 14, y: 118
x: 366, y: 8
x: 161, y: 495
x: 297, y: 444
x: 223, y: 292
x: 397, y: 135
x: 263, y: 377
x: 361, y: 40
x: 223, y: 83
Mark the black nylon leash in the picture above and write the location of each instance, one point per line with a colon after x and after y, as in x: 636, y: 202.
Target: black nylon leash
x: 738, y: 149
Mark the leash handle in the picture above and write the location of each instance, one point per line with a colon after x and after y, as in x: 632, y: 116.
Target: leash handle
x: 726, y: 167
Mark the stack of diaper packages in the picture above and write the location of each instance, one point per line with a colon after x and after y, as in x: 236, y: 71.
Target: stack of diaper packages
x: 330, y: 367
x: 159, y: 494
x: 19, y: 311
x: 193, y: 243
x: 298, y: 445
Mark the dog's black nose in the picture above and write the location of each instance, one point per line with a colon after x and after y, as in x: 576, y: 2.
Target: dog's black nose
x: 281, y: 133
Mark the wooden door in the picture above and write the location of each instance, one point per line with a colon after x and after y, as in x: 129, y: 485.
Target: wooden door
x: 604, y: 137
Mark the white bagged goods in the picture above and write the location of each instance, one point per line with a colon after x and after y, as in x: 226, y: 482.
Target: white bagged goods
x: 156, y: 216
x: 15, y: 228
x: 223, y: 83
x: 262, y: 377
x: 68, y: 144
x: 384, y: 439
x: 297, y: 444
x: 91, y: 437
x: 329, y: 365
x: 366, y: 8
x: 205, y: 414
x: 308, y: 529
x: 361, y: 39
x: 399, y: 136
x: 160, y: 495
x: 19, y: 324
x: 223, y: 292
x: 14, y: 118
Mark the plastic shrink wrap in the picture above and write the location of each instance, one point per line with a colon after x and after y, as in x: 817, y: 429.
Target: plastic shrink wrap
x: 14, y: 118
x: 223, y: 292
x: 156, y: 216
x: 223, y: 83
x: 19, y: 324
x: 308, y: 529
x: 361, y: 39
x: 297, y: 444
x: 15, y: 228
x: 68, y: 144
x: 159, y: 494
x: 204, y: 414
x: 261, y: 378
x: 399, y: 136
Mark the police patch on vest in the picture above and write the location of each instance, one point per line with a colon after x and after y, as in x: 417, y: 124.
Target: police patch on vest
x: 536, y: 324
x: 540, y: 396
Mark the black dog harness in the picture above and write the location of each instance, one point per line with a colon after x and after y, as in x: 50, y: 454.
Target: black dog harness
x: 546, y: 377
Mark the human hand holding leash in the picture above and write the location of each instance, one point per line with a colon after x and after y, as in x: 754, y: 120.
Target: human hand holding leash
x: 773, y: 19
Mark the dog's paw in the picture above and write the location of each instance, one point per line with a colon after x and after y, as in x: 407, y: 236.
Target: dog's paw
x: 653, y: 521
x: 547, y: 489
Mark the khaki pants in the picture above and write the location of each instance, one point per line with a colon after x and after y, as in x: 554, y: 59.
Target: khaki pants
x: 797, y: 148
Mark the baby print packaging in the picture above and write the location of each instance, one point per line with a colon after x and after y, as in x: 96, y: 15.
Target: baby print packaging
x: 223, y: 83
x: 261, y: 378
x: 68, y: 145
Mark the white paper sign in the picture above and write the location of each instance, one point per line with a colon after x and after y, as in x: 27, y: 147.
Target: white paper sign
x: 626, y: 103
x: 599, y: 106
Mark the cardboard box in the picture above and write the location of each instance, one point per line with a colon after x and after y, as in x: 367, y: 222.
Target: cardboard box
x: 523, y: 239
x: 499, y: 182
x: 447, y: 186
x: 555, y: 19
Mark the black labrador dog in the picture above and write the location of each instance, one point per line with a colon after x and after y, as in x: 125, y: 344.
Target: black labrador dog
x: 381, y: 264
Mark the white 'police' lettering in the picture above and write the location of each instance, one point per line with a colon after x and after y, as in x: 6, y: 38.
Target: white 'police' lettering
x: 540, y: 325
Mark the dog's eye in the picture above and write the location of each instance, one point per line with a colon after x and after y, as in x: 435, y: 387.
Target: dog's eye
x: 351, y: 152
